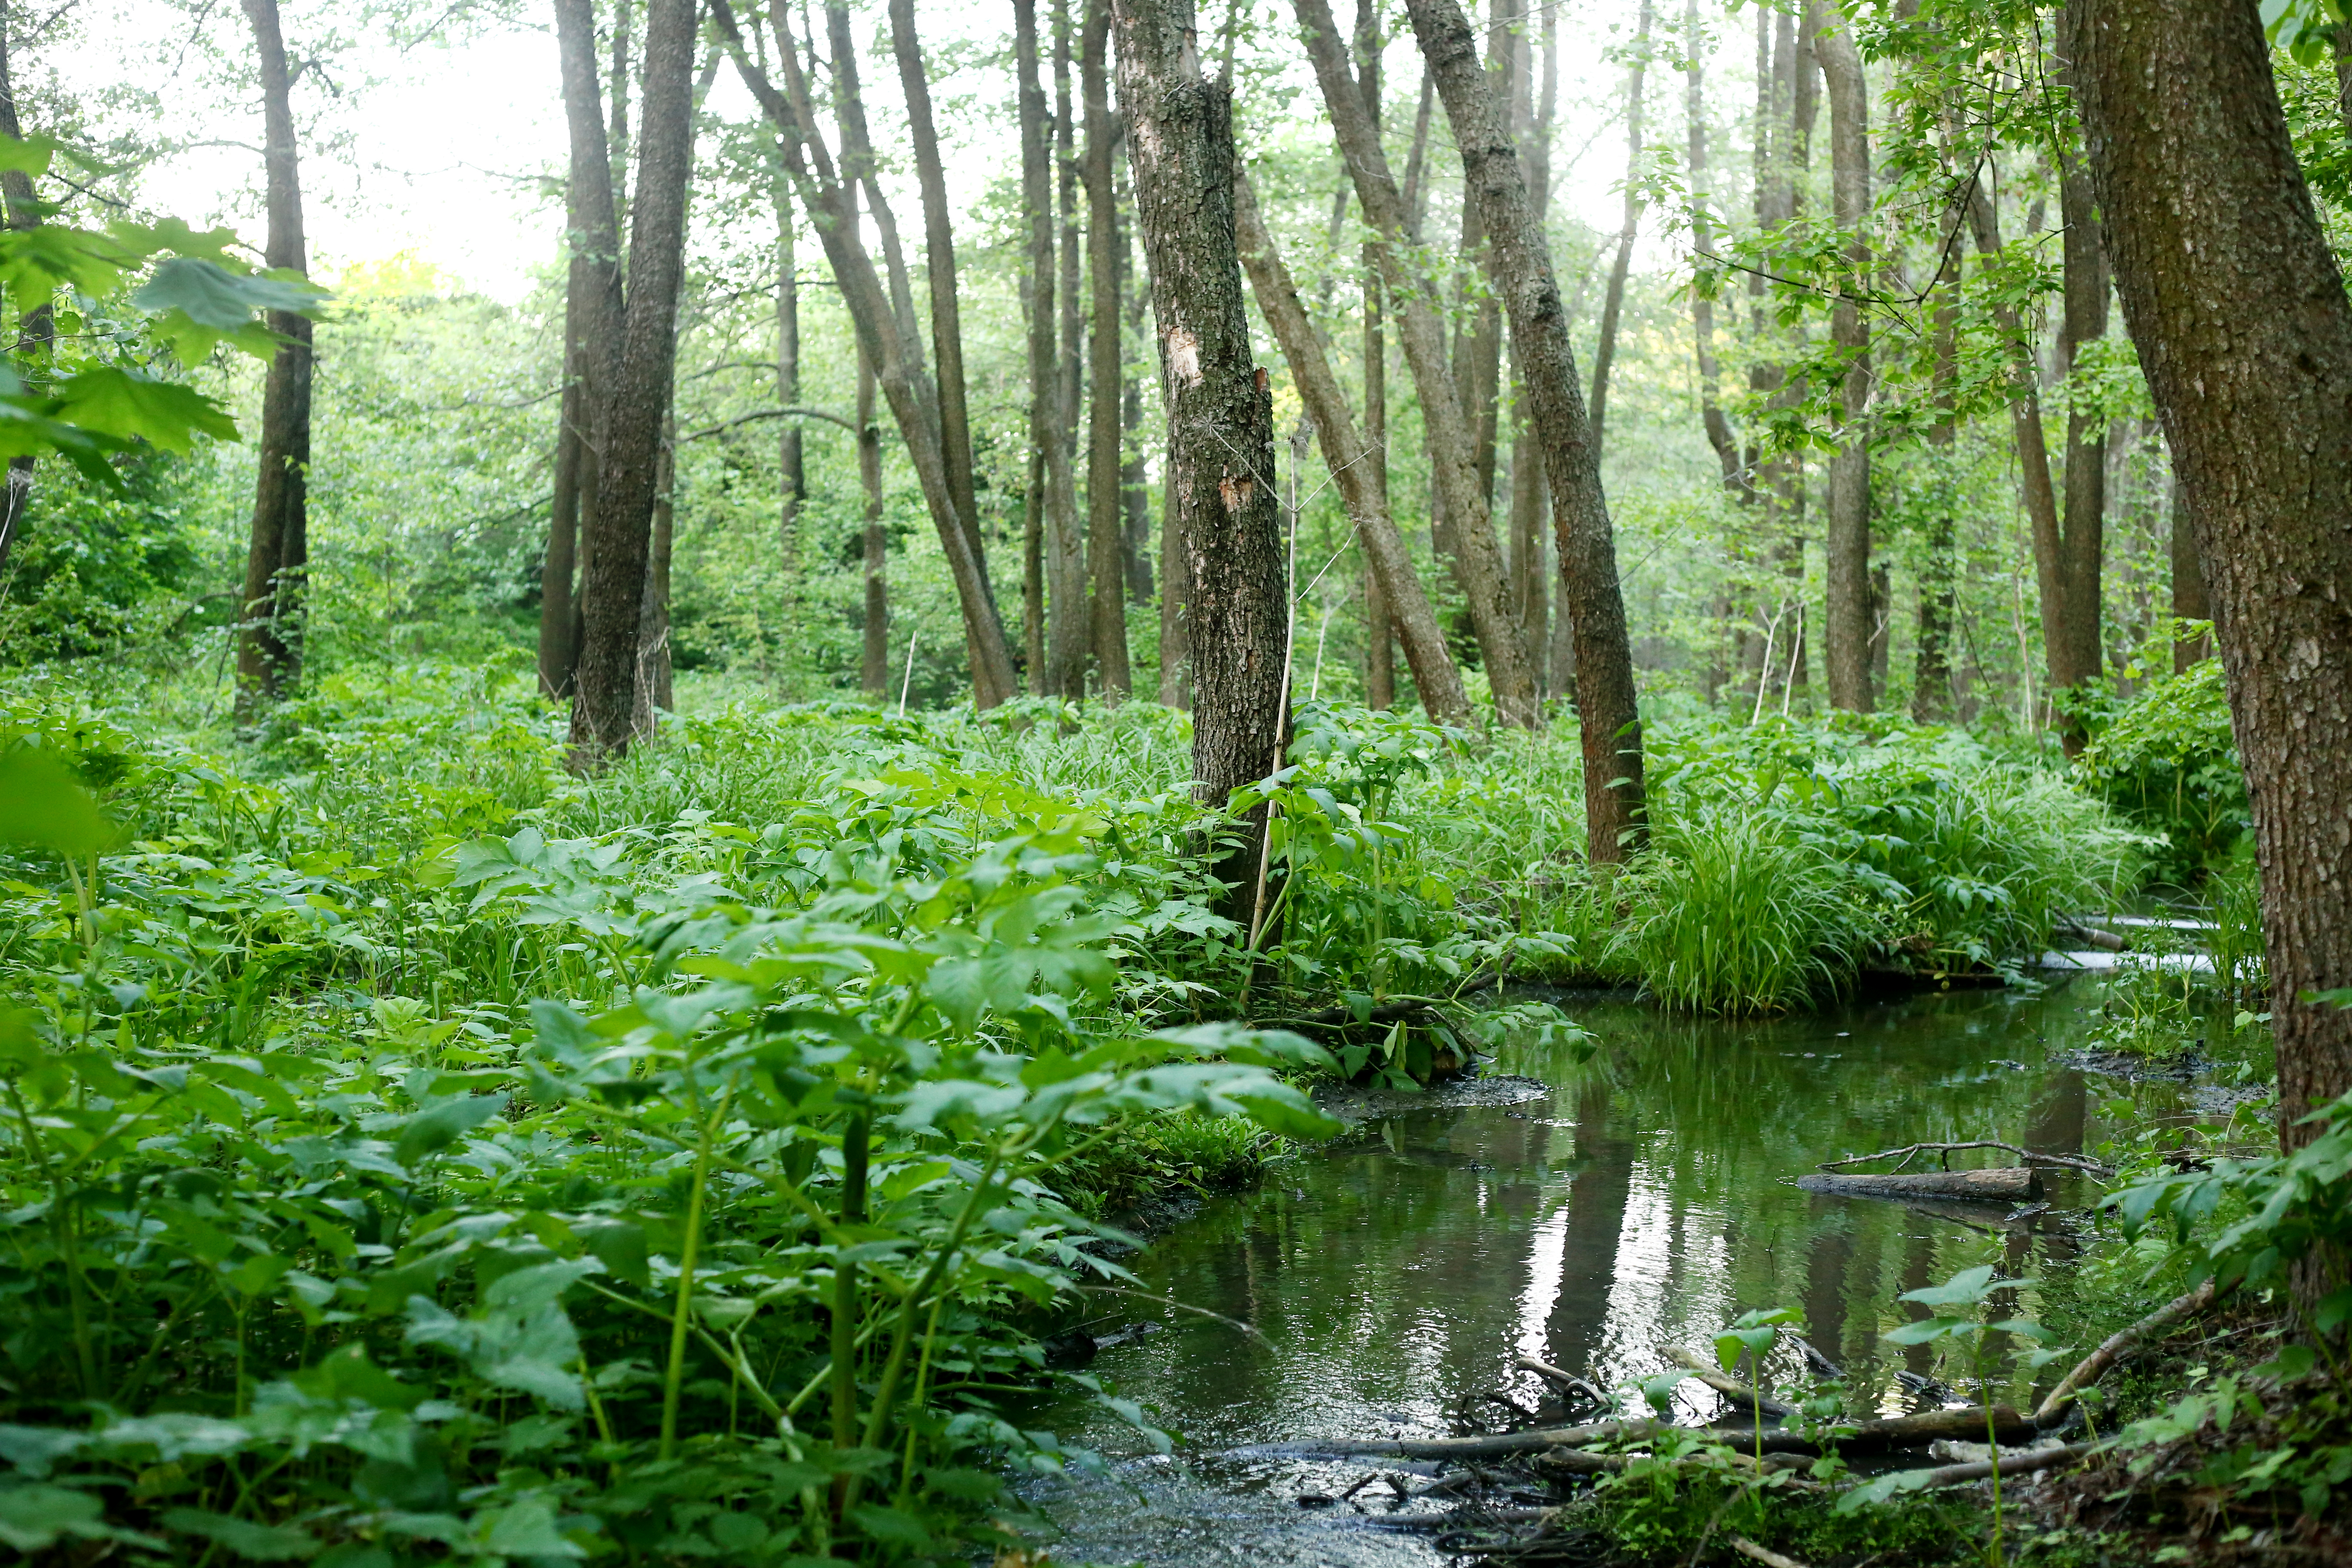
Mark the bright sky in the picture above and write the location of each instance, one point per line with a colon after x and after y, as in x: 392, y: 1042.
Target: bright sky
x: 440, y: 152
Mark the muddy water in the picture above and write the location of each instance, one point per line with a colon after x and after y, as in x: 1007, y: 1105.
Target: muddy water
x: 1641, y: 1200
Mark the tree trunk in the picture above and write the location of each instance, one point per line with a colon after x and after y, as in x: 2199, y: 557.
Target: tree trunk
x: 903, y: 384
x: 1530, y: 584
x: 1846, y: 609
x: 1433, y: 666
x: 1175, y: 609
x: 591, y: 314
x: 654, y: 694
x: 1613, y: 303
x: 2243, y: 329
x: 1380, y: 651
x: 1134, y: 491
x: 1712, y: 417
x: 874, y: 660
x: 1105, y: 524
x: 269, y: 644
x: 1219, y: 413
x: 1454, y: 476
x: 2079, y: 658
x: 791, y: 468
x: 1053, y: 499
x: 2189, y: 600
x: 1595, y: 607
x: 36, y: 328
x: 619, y: 539
x: 1070, y: 624
x: 939, y: 250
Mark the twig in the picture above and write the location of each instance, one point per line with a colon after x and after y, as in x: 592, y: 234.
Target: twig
x: 1563, y: 1380
x: 1173, y: 1304
x: 1764, y: 1554
x: 1731, y: 1388
x: 1910, y: 1151
x: 2119, y: 1345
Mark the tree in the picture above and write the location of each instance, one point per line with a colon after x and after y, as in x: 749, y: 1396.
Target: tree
x: 1613, y: 303
x: 591, y: 321
x: 1531, y: 117
x: 1457, y: 492
x: 827, y: 194
x: 873, y: 661
x: 2243, y: 326
x: 1379, y: 663
x: 791, y: 471
x: 1106, y: 518
x: 1712, y: 417
x: 270, y: 640
x: 1053, y: 501
x: 1592, y: 601
x: 1847, y: 608
x: 1219, y: 413
x: 2078, y: 657
x: 604, y: 714
x: 37, y: 327
x: 1344, y: 452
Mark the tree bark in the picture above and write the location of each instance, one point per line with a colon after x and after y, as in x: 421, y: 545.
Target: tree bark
x: 791, y: 468
x: 269, y: 643
x: 1134, y: 491
x: 1613, y: 303
x: 2239, y: 316
x: 1106, y: 522
x: 2189, y: 600
x: 1344, y: 452
x: 1054, y: 499
x: 939, y: 250
x: 1530, y: 584
x: 1595, y: 607
x: 36, y: 328
x: 1510, y: 673
x: 2079, y: 658
x: 1846, y: 611
x: 1219, y: 413
x: 1712, y: 417
x: 1380, y: 648
x: 653, y: 693
x: 592, y: 315
x: 874, y: 653
x: 1070, y: 622
x: 903, y: 384
x: 612, y: 590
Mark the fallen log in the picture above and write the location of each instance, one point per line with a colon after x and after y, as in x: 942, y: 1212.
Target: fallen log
x: 2024, y: 1464
x: 1868, y: 1436
x: 1731, y: 1388
x: 1904, y: 1155
x: 2000, y: 1184
x: 2116, y: 1347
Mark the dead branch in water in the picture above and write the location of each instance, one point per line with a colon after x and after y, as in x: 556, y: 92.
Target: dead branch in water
x: 1910, y: 1151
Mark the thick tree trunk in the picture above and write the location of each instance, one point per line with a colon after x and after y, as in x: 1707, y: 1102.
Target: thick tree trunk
x: 36, y: 328
x: 1510, y: 673
x: 1344, y: 452
x: 903, y: 384
x: 2243, y: 329
x: 1220, y: 415
x: 1846, y: 610
x: 939, y: 250
x: 874, y: 660
x: 620, y: 533
x: 591, y: 318
x: 269, y: 643
x: 1595, y: 607
x: 1105, y: 522
x: 1053, y: 499
x: 1613, y: 303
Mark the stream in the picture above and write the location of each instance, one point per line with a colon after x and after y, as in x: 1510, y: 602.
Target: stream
x: 1636, y: 1200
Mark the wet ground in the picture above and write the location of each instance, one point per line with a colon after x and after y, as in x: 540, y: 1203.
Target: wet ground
x: 1609, y: 1209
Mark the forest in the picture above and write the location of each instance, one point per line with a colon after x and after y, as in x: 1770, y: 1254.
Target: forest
x: 1118, y: 782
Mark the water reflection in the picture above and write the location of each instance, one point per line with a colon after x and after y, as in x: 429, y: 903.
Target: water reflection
x: 1642, y: 1206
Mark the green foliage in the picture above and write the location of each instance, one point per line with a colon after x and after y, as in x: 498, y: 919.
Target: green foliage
x: 2168, y: 762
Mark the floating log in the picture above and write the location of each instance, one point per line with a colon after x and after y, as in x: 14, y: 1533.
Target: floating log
x: 2002, y: 1185
x: 1898, y: 1431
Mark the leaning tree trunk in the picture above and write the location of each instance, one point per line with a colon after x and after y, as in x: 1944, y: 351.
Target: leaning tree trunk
x: 269, y: 643
x: 620, y: 534
x: 1712, y: 417
x: 1220, y: 413
x: 1613, y: 303
x: 1106, y: 520
x: 2239, y: 312
x: 828, y: 197
x: 1456, y: 491
x: 874, y: 662
x: 1344, y: 452
x: 1592, y: 601
x: 592, y: 330
x: 1846, y: 610
x: 37, y: 332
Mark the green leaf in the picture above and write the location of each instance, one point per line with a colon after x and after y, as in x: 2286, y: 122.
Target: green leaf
x: 33, y: 1517
x: 26, y: 154
x: 43, y: 804
x: 261, y: 1543
x: 1882, y: 1488
x: 890, y: 1527
x: 437, y: 1126
x: 525, y: 1529
x: 1927, y: 1331
x: 212, y: 296
x: 128, y: 406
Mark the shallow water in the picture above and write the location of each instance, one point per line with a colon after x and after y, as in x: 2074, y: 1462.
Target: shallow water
x: 1643, y: 1202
